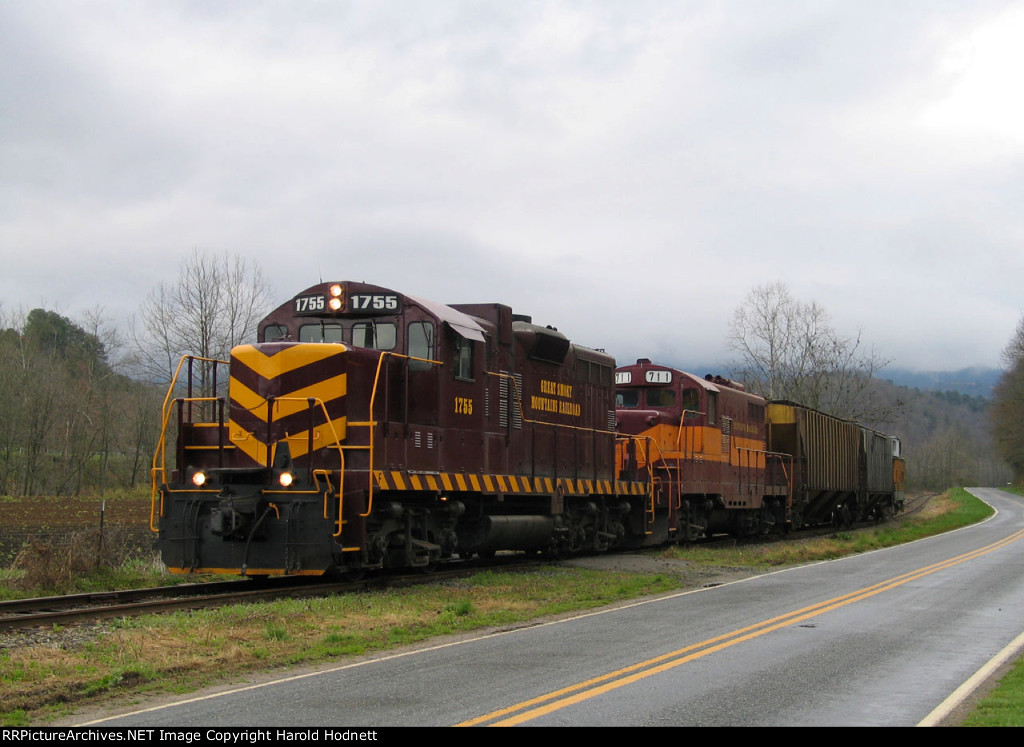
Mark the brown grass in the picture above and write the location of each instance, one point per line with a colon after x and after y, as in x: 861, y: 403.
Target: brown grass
x: 53, y: 562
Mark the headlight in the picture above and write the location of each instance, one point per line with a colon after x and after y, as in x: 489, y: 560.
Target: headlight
x: 334, y: 304
x: 336, y: 290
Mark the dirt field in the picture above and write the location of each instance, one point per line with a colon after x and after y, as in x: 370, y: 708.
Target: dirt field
x: 25, y: 519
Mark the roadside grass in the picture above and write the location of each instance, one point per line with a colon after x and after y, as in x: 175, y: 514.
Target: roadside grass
x: 181, y: 652
x: 1004, y: 706
x: 184, y: 651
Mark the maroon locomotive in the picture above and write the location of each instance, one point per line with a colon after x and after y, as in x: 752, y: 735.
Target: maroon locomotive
x: 367, y: 429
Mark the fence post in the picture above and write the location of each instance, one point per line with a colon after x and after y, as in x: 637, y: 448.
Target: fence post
x: 99, y: 549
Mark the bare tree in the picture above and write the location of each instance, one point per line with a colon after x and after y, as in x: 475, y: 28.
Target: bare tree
x: 789, y: 350
x: 215, y: 303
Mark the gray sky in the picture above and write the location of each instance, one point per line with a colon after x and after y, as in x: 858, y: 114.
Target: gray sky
x: 625, y: 171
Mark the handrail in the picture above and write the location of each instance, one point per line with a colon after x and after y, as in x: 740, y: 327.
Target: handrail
x: 621, y: 441
x: 159, y: 465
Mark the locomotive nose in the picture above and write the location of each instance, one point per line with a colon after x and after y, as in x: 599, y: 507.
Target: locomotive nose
x: 288, y: 394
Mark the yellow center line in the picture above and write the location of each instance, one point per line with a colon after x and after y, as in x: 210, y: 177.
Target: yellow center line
x: 566, y: 696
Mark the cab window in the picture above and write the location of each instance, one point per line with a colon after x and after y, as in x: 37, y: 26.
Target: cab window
x: 320, y: 332
x: 275, y: 332
x: 661, y: 398
x: 463, y: 358
x: 375, y: 335
x: 421, y: 344
x: 627, y: 398
x: 691, y: 400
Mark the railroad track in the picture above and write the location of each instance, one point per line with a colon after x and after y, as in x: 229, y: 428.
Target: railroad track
x: 73, y: 608
x: 78, y: 608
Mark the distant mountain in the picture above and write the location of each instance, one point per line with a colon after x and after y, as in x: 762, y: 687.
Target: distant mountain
x: 975, y: 381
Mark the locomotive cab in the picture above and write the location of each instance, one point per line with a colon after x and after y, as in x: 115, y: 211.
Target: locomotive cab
x: 661, y: 397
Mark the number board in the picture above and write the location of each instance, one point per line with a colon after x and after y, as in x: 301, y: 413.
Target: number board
x: 358, y: 303
x: 381, y: 303
x: 310, y: 304
x: 658, y: 377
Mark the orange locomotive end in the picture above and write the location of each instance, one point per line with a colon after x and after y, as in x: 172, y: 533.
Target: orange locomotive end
x: 703, y: 443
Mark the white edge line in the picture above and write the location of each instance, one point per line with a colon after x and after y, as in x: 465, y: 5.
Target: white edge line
x: 964, y: 691
x: 972, y: 683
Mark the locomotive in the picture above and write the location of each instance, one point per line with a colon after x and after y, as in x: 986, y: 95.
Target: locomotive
x: 371, y: 429
x: 366, y: 429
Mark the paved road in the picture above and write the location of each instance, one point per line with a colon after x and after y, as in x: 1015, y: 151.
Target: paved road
x: 876, y: 639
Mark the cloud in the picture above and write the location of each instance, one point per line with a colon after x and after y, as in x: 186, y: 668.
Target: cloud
x: 626, y: 172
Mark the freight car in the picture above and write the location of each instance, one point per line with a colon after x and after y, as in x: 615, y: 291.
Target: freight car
x: 371, y: 429
x: 843, y: 472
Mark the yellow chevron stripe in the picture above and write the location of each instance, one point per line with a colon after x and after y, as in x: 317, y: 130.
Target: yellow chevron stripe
x: 286, y: 360
x: 327, y: 390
